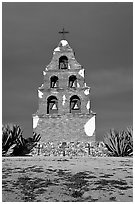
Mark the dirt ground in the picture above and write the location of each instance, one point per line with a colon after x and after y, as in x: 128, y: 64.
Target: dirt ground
x: 64, y: 179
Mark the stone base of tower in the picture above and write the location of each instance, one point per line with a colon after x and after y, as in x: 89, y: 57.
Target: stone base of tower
x: 65, y: 128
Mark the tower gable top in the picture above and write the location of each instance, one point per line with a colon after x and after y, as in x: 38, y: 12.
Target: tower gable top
x: 63, y: 50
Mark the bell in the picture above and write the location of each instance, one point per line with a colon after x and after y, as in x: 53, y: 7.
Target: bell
x: 76, y: 106
x: 54, y: 107
x: 55, y: 85
x: 74, y: 85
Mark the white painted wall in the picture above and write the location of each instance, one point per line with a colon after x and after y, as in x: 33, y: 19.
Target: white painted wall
x: 44, y: 73
x: 64, y: 99
x: 88, y: 105
x: 56, y: 49
x: 89, y: 127
x: 81, y: 72
x: 64, y: 42
x: 40, y: 94
x: 35, y: 121
x: 87, y: 91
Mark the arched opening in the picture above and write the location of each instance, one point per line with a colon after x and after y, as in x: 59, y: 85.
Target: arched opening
x: 52, y: 105
x: 75, y: 104
x: 63, y: 62
x: 72, y: 81
x: 54, y: 82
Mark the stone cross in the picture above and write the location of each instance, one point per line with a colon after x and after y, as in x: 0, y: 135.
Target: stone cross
x: 63, y: 32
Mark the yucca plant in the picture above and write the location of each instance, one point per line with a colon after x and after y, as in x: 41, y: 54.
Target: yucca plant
x: 11, y: 134
x: 13, y: 142
x: 119, y: 144
x: 26, y: 145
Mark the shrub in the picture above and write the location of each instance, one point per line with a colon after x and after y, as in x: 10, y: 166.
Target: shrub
x: 119, y: 144
x: 13, y: 143
x: 11, y: 135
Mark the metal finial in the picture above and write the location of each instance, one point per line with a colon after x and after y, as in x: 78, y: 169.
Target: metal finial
x: 63, y: 32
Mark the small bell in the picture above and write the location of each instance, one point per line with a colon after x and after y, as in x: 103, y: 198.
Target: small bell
x: 55, y: 85
x: 76, y: 106
x: 54, y: 107
x: 73, y: 85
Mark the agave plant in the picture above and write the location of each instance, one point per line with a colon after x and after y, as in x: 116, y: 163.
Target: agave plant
x: 129, y: 133
x: 119, y: 143
x: 13, y: 142
x: 11, y: 134
x: 26, y: 145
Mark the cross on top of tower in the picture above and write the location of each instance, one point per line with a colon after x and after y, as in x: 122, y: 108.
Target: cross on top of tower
x: 63, y: 32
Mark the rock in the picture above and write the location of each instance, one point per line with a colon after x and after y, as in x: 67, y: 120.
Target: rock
x: 89, y: 194
x: 94, y: 196
x: 76, y: 193
x: 86, y: 194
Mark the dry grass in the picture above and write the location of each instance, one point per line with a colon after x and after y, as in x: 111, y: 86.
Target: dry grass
x: 64, y: 179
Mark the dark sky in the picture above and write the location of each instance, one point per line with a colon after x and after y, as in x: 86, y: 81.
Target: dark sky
x: 101, y: 34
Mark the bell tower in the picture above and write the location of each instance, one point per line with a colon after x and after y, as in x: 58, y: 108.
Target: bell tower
x: 64, y: 111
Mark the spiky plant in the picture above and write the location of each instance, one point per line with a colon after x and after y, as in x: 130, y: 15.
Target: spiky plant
x: 119, y: 144
x: 10, y: 136
x: 26, y: 145
x: 129, y: 133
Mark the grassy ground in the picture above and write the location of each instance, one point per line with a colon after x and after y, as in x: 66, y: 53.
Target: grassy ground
x: 64, y: 179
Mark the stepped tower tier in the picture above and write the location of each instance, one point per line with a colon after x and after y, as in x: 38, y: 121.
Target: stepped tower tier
x: 64, y: 112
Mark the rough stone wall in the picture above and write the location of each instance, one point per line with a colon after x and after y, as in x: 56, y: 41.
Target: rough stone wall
x: 67, y: 128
